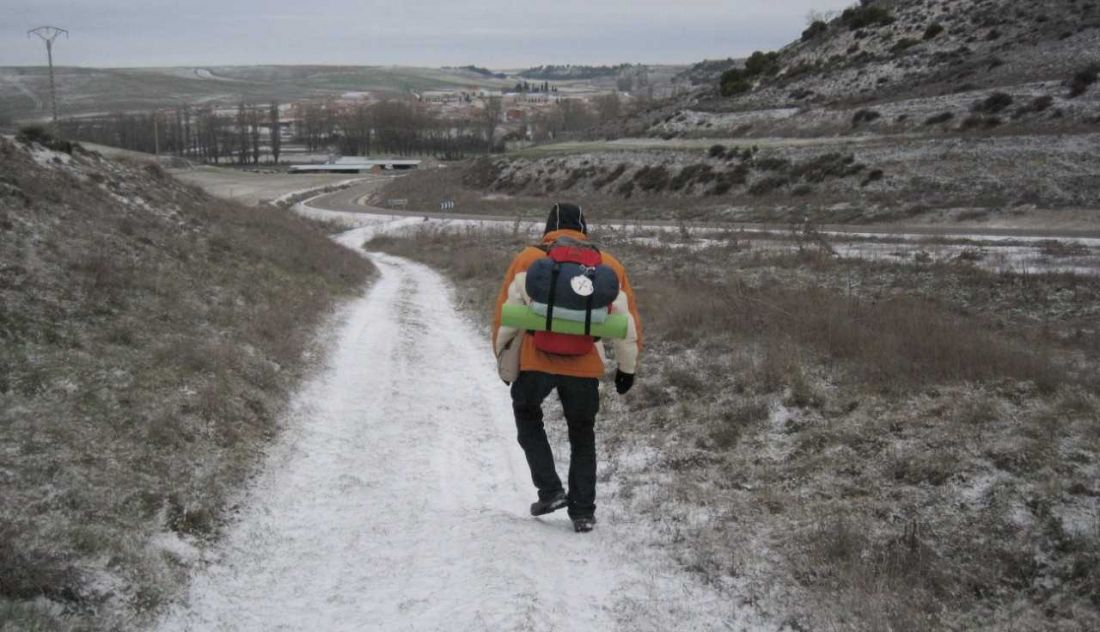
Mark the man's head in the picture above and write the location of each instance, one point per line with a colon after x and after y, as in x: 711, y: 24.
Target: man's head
x: 565, y: 216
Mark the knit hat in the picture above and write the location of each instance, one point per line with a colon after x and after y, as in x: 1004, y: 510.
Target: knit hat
x: 565, y: 216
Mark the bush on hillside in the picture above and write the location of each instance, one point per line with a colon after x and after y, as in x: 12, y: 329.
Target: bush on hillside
x: 740, y: 80
x: 996, y: 102
x: 865, y: 116
x: 903, y: 45
x: 761, y: 63
x: 942, y: 117
x: 42, y: 136
x: 1083, y: 79
x: 1038, y: 104
x: 734, y: 82
x: 652, y: 179
x: 817, y: 28
x: 866, y: 16
x: 933, y: 30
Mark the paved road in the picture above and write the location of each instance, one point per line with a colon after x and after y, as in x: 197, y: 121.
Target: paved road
x: 351, y: 200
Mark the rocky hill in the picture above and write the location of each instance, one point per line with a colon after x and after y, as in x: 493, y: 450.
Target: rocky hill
x: 923, y: 110
x: 149, y: 336
x: 898, y: 49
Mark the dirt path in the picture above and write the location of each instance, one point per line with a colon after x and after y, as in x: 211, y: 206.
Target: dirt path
x: 397, y: 500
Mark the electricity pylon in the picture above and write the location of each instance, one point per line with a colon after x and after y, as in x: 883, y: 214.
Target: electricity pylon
x: 48, y: 35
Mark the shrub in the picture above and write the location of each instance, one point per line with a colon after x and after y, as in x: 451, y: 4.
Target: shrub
x: 817, y: 28
x: 942, y: 117
x: 652, y: 179
x: 856, y: 18
x: 482, y: 173
x: 865, y: 116
x: 611, y: 177
x: 42, y: 136
x: 1043, y: 103
x: 1038, y: 104
x: 773, y: 164
x: 726, y: 181
x: 1083, y: 79
x: 903, y: 45
x: 34, y: 134
x: 994, y: 103
x: 717, y: 151
x: 768, y: 185
x: 933, y: 30
x: 720, y: 187
x: 761, y: 63
x: 690, y: 174
x: 734, y: 82
x: 874, y: 176
x: 826, y: 166
x: 740, y: 80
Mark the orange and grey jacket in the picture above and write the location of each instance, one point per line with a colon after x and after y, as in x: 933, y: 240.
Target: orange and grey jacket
x: 513, y: 290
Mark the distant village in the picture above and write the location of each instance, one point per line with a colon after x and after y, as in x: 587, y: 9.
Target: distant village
x: 446, y: 124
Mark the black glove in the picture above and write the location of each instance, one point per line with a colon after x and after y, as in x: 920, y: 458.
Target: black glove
x: 623, y: 382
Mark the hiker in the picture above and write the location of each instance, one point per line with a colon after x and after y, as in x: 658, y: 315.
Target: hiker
x: 570, y: 364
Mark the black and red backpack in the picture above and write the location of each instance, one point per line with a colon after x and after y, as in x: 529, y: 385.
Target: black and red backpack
x: 571, y: 276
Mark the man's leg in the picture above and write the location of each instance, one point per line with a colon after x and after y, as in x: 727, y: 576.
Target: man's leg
x: 528, y: 392
x: 580, y: 399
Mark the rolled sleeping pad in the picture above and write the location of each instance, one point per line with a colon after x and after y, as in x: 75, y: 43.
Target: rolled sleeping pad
x: 523, y: 317
x: 578, y: 315
x: 604, y: 281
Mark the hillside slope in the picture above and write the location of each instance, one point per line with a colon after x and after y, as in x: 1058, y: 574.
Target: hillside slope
x: 897, y: 49
x: 149, y: 336
x: 24, y: 90
x: 917, y: 111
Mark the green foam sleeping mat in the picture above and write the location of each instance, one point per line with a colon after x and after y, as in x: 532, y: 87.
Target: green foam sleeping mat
x: 522, y: 317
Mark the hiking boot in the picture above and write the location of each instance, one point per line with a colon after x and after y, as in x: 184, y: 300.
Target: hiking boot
x: 584, y: 524
x: 550, y: 505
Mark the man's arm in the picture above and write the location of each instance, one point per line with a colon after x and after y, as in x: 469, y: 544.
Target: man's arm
x: 502, y: 298
x: 627, y: 349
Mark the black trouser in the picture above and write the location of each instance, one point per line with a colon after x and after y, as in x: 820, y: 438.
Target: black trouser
x: 580, y: 399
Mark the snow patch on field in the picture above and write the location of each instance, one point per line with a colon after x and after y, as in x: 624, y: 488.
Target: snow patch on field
x: 48, y: 157
x: 181, y: 549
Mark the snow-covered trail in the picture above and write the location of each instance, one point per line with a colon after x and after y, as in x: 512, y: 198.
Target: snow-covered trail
x: 396, y: 500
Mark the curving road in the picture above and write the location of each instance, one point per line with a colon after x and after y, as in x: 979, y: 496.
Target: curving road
x: 352, y: 200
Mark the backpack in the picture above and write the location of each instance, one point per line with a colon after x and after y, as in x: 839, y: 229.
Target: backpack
x: 571, y: 276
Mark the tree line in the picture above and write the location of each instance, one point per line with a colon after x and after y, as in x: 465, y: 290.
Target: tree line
x: 254, y: 134
x: 251, y: 134
x: 209, y: 135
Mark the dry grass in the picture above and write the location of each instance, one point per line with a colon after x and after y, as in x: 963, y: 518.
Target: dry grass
x: 147, y: 349
x: 875, y: 446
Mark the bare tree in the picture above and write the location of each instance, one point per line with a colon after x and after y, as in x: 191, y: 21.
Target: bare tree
x: 608, y: 107
x: 254, y: 132
x: 276, y: 132
x: 490, y: 119
x: 242, y: 135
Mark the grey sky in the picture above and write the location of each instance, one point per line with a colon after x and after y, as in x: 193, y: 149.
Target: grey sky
x: 495, y: 33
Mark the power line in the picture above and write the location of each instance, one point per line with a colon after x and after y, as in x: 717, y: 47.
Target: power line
x: 48, y: 35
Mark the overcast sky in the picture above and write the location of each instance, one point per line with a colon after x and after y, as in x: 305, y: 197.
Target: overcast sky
x: 494, y: 33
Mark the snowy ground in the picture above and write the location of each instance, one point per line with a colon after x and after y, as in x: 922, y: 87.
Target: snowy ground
x: 397, y: 499
x: 256, y: 188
